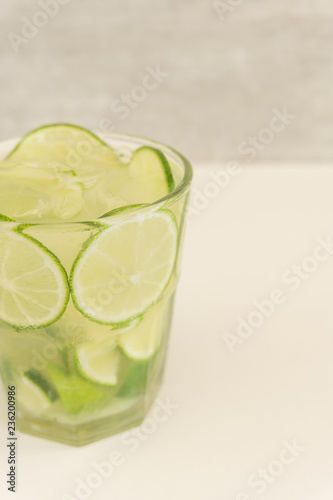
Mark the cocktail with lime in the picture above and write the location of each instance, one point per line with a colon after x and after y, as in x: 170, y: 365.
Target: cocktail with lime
x: 90, y: 240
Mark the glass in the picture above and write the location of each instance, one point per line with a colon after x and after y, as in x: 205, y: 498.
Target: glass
x: 79, y: 410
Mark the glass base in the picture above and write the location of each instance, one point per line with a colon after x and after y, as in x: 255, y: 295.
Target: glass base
x: 81, y: 434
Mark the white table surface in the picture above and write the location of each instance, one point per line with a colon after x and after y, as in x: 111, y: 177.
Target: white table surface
x: 236, y: 411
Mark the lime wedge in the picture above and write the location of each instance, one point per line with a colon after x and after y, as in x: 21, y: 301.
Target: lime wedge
x: 124, y: 269
x: 148, y: 178
x: 77, y: 394
x: 35, y: 394
x: 33, y: 284
x: 142, y: 341
x: 98, y: 361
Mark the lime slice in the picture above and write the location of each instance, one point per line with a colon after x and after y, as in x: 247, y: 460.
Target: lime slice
x: 73, y: 147
x: 35, y: 394
x: 125, y: 268
x: 148, y: 178
x: 142, y: 341
x: 98, y: 361
x: 33, y: 284
x: 81, y: 160
x: 67, y: 172
x: 151, y: 166
x: 77, y: 394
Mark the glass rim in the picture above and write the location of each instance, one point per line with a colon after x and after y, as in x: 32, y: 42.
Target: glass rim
x: 176, y: 193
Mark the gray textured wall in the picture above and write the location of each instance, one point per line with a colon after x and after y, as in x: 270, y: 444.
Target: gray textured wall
x: 227, y: 71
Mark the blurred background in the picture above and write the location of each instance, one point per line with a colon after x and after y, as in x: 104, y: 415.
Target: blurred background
x: 202, y: 76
